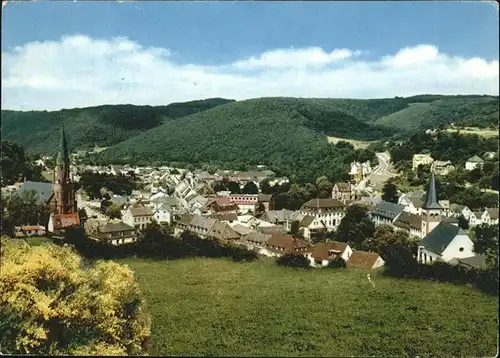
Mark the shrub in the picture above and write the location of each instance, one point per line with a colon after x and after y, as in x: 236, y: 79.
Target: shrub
x: 337, y: 262
x: 53, y: 304
x: 293, y: 260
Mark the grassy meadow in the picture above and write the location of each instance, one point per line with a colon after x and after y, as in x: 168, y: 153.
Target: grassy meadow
x: 216, y: 307
x: 357, y: 144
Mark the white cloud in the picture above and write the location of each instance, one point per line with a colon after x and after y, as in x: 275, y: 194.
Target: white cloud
x: 79, y: 71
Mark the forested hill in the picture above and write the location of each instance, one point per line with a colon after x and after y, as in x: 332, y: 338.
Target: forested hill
x: 369, y: 119
x: 285, y: 133
x: 38, y: 131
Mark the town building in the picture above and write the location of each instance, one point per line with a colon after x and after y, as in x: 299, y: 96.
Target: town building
x: 445, y: 243
x: 421, y: 159
x: 360, y: 170
x: 365, y: 260
x: 138, y: 216
x: 343, y: 192
x: 457, y: 210
x: 490, y: 216
x: 278, y: 245
x: 206, y: 227
x: 473, y: 163
x: 385, y: 212
x: 431, y: 210
x: 410, y: 223
x: 442, y: 167
x: 114, y: 232
x: 323, y: 253
x: 63, y: 206
x: 327, y: 213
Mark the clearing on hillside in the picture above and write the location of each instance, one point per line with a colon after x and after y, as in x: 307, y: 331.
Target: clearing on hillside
x: 357, y: 144
x: 217, y: 307
x: 486, y: 133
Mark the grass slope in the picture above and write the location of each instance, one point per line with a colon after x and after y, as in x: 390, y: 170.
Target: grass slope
x: 217, y: 307
x: 263, y: 130
x: 38, y: 131
x: 465, y: 110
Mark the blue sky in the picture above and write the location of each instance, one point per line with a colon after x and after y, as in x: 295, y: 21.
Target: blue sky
x: 211, y: 34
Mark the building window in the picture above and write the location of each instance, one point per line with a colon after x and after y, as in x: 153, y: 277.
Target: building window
x: 461, y: 249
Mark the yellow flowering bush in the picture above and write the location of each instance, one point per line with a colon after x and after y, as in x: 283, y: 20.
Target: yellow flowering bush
x: 52, y: 302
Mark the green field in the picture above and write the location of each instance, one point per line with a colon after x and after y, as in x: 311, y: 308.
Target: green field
x: 358, y: 144
x: 217, y: 307
x: 38, y: 240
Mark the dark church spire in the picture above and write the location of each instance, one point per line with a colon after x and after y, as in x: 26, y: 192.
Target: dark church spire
x: 432, y: 199
x: 63, y: 156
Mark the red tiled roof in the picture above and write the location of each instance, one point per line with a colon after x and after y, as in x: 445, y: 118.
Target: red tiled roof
x: 321, y: 251
x: 323, y: 204
x: 362, y: 259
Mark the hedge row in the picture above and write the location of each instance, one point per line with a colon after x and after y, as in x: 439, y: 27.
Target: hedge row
x: 484, y: 279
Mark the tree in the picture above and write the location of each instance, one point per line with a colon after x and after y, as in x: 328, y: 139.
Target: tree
x: 82, y: 215
x: 395, y: 247
x: 337, y: 262
x: 26, y: 209
x: 114, y: 211
x: 52, y: 303
x: 390, y: 193
x: 486, y: 242
x: 463, y: 223
x: 265, y: 187
x: 293, y: 260
x: 250, y: 188
x: 356, y: 226
x: 233, y: 187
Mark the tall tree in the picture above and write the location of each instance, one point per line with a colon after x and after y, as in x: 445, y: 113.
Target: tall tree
x: 356, y: 226
x: 486, y: 242
x: 233, y: 187
x: 390, y: 193
x: 250, y: 188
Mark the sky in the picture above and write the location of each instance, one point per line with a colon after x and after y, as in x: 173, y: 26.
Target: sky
x: 59, y: 54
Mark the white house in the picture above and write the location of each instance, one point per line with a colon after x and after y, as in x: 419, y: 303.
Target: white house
x: 360, y: 170
x: 473, y: 163
x: 327, y: 213
x: 421, y: 159
x: 456, y: 210
x: 490, y: 216
x: 325, y: 252
x: 163, y: 214
x: 412, y: 204
x: 475, y: 218
x: 138, y: 216
x: 158, y: 194
x: 442, y: 167
x: 446, y: 242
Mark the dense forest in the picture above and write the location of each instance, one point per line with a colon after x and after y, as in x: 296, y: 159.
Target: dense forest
x: 38, y: 131
x: 268, y: 131
x: 286, y: 134
x: 16, y: 165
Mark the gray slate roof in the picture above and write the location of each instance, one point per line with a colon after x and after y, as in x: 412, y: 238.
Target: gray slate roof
x: 387, y: 210
x: 475, y: 159
x: 478, y: 261
x: 44, y: 190
x: 439, y: 238
x: 116, y: 227
x: 431, y: 201
x: 279, y: 216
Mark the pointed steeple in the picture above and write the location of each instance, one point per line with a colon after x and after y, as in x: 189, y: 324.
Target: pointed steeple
x: 63, y: 156
x: 431, y: 201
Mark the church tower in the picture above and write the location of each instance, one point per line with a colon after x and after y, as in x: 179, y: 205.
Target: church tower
x: 431, y: 210
x: 64, y: 201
